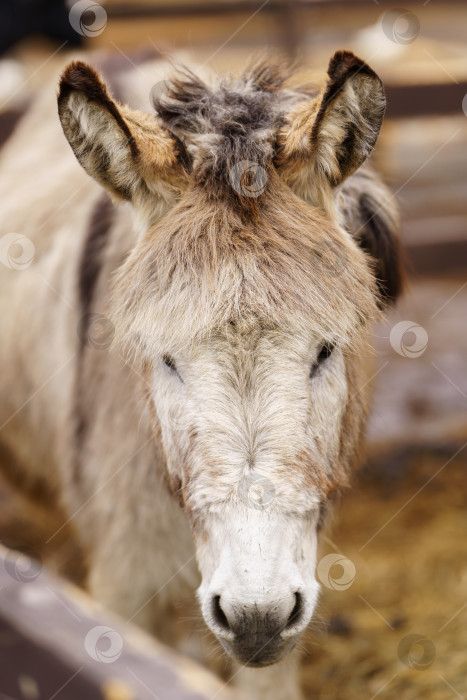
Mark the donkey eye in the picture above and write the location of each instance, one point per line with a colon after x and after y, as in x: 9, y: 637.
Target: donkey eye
x: 324, y: 353
x: 169, y: 362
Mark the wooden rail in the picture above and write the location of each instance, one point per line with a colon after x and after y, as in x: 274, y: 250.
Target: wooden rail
x: 56, y: 643
x: 425, y: 100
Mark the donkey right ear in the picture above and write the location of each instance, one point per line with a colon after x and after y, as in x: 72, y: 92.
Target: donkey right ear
x: 326, y: 139
x: 126, y: 151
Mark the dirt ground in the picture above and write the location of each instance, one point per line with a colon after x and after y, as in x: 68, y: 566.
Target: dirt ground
x: 406, y: 538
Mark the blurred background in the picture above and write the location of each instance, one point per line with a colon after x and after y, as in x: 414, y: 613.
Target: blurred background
x: 396, y: 625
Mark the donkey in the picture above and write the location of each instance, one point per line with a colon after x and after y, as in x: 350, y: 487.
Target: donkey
x: 188, y: 373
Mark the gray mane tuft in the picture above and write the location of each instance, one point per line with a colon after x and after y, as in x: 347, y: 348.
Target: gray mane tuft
x: 233, y: 122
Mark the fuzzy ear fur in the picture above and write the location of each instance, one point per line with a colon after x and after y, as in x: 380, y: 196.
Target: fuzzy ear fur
x: 126, y: 151
x: 325, y: 140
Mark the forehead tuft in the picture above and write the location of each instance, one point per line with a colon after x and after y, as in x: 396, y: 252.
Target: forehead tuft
x: 230, y: 124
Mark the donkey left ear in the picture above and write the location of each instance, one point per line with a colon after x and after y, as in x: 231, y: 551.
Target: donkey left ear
x: 326, y: 140
x: 126, y: 151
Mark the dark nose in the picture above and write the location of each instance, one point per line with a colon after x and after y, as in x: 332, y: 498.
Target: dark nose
x: 258, y: 634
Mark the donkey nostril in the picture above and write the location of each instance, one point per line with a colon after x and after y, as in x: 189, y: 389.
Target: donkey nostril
x: 296, y: 612
x: 219, y: 615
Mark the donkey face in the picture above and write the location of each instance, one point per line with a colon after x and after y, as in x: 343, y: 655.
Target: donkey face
x: 248, y: 307
x: 252, y: 421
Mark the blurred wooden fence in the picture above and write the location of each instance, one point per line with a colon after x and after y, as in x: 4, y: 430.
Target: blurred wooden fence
x: 57, y: 643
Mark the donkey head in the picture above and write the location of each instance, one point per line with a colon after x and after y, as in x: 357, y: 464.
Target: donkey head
x: 248, y: 301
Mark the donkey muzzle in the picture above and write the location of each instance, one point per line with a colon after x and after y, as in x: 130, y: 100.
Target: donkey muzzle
x: 258, y: 634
